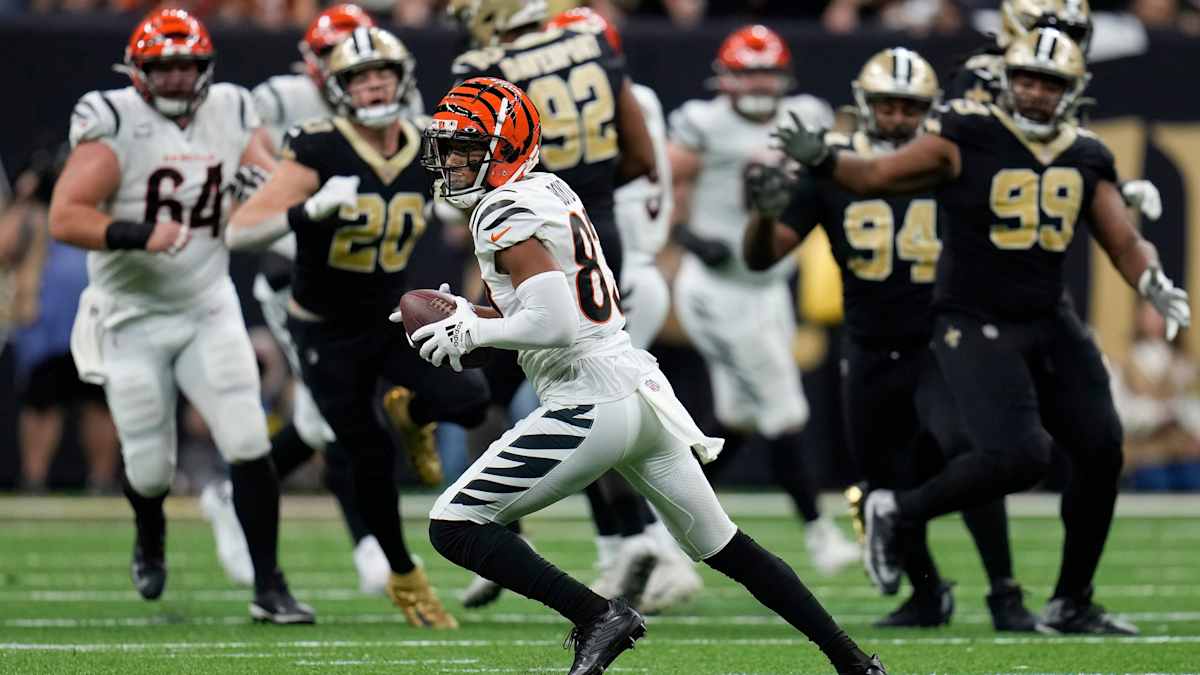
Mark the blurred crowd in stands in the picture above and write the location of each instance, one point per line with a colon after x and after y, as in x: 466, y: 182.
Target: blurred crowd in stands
x: 838, y: 16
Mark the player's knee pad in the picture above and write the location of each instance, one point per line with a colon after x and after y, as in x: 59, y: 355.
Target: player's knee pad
x: 240, y: 430
x: 1025, y: 465
x: 149, y: 462
x: 136, y: 400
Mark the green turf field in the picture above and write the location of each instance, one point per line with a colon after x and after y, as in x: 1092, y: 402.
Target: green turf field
x: 66, y: 603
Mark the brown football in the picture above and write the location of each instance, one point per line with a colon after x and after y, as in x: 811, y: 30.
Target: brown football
x: 425, y: 306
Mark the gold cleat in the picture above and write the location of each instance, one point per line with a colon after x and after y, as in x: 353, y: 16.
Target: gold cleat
x: 856, y: 494
x: 418, y: 440
x: 412, y: 594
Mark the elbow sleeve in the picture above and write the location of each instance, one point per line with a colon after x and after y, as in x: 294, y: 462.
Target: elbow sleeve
x: 547, y: 317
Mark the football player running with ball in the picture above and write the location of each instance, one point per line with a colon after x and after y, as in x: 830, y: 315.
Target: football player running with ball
x: 604, y: 404
x: 351, y: 189
x: 145, y: 191
x: 1015, y: 178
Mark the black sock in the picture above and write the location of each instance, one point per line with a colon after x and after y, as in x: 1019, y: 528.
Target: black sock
x: 148, y: 516
x: 776, y: 585
x: 968, y: 480
x: 918, y: 561
x: 256, y: 501
x: 339, y: 478
x: 289, y: 451
x: 1087, y: 512
x: 607, y: 524
x: 495, y: 553
x: 515, y: 527
x: 623, y: 502
x: 378, y: 502
x: 988, y: 525
x: 786, y: 456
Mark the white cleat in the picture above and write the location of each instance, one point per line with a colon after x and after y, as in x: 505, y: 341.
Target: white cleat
x: 629, y: 570
x: 216, y: 503
x: 674, y: 581
x: 828, y: 548
x: 372, y: 565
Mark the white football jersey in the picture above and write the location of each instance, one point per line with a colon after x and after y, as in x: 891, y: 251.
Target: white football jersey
x: 167, y: 173
x: 601, y: 365
x: 284, y: 101
x: 643, y: 207
x: 726, y: 141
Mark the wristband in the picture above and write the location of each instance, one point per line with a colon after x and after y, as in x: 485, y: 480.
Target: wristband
x: 127, y: 235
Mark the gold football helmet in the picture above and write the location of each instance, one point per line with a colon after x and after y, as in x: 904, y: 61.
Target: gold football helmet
x: 1018, y: 17
x: 894, y: 73
x: 364, y: 49
x: 487, y: 20
x: 1046, y: 51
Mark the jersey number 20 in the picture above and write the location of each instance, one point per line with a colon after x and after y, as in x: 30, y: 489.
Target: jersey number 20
x: 385, y: 238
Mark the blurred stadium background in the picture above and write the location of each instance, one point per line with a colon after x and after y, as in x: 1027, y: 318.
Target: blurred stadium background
x: 54, y: 434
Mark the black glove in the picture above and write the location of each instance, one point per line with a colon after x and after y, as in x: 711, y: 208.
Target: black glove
x: 804, y: 146
x: 710, y: 251
x: 768, y: 189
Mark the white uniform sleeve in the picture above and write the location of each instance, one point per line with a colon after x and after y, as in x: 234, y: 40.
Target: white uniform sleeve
x: 95, y: 118
x: 504, y: 219
x: 547, y: 317
x: 248, y: 110
x: 686, y: 125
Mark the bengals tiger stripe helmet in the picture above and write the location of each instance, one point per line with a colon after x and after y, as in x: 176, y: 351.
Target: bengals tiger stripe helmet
x: 588, y: 19
x: 487, y: 125
x: 169, y: 35
x: 754, y: 68
x: 326, y: 32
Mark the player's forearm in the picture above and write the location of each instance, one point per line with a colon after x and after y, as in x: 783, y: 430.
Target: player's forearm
x: 79, y: 225
x: 247, y: 235
x: 546, y: 319
x: 759, y: 243
x: 1132, y: 258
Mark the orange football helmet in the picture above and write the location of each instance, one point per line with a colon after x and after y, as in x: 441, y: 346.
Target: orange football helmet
x: 590, y: 19
x: 754, y: 67
x: 167, y: 35
x: 486, y: 125
x: 326, y: 32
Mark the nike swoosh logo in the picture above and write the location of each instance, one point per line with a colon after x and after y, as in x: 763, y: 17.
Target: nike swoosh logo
x: 496, y: 235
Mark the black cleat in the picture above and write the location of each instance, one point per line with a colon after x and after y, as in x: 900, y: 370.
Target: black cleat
x: 149, y: 565
x: 923, y: 609
x: 600, y: 641
x: 872, y: 667
x: 880, y: 555
x: 1009, y: 613
x: 276, y: 605
x: 1082, y: 616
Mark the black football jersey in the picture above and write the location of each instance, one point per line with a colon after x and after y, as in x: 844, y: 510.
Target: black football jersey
x: 573, y: 77
x: 1012, y: 212
x: 887, y: 249
x: 351, y: 265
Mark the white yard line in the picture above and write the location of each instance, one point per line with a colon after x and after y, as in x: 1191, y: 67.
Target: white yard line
x: 476, y: 644
x: 417, y: 506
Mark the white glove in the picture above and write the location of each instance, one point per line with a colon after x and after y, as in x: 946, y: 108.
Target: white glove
x: 1142, y: 195
x: 1171, y: 302
x: 450, y: 338
x: 337, y: 192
